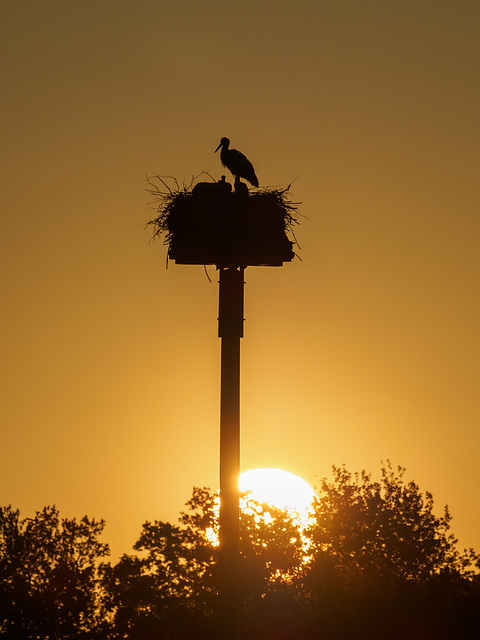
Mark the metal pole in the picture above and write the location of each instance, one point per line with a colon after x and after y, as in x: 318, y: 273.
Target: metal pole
x: 230, y: 330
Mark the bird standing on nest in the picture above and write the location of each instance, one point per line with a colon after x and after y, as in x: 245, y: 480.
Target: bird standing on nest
x: 236, y: 162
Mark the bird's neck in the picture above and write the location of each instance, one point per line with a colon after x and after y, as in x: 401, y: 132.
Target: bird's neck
x: 224, y: 153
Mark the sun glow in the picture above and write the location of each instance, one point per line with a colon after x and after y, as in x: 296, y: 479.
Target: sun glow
x: 280, y: 489
x: 277, y: 488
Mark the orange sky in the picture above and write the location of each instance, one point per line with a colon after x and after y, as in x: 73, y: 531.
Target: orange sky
x: 368, y: 349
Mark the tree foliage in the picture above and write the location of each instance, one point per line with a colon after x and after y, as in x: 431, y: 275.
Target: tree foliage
x: 49, y: 575
x: 374, y: 553
x: 173, y: 580
x: 170, y: 582
x: 382, y: 561
x: 386, y: 531
x: 375, y: 561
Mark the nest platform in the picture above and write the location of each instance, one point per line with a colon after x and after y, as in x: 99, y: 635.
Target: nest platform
x: 213, y: 224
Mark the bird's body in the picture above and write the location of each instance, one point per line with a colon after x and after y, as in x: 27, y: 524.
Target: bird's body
x: 236, y: 162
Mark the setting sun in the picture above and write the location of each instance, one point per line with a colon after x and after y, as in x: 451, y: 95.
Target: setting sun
x: 280, y: 489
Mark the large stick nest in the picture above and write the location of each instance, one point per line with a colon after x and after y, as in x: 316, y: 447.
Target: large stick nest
x: 208, y: 223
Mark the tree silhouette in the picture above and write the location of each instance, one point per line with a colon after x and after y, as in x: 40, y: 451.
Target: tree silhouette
x: 374, y: 562
x: 50, y: 579
x: 168, y: 588
x: 171, y: 588
x: 384, y: 530
x: 382, y: 562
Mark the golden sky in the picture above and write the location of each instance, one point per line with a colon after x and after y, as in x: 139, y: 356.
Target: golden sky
x: 367, y: 349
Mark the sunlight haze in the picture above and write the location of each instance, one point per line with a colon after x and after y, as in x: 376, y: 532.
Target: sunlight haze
x: 280, y: 489
x: 366, y: 349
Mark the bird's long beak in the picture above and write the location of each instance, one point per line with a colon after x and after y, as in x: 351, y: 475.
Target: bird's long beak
x: 218, y: 147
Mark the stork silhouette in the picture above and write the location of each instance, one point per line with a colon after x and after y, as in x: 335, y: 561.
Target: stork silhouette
x: 236, y: 163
